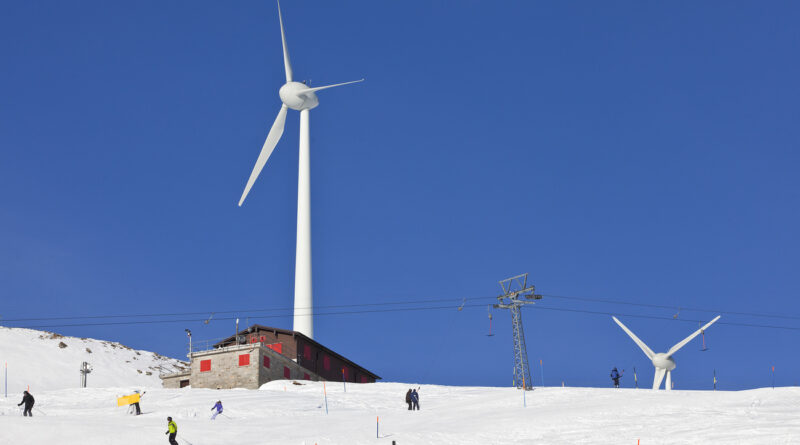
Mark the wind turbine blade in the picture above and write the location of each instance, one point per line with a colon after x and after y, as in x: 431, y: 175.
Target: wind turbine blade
x: 647, y: 351
x: 311, y: 90
x: 273, y: 137
x: 658, y: 377
x: 683, y: 342
x: 286, y: 64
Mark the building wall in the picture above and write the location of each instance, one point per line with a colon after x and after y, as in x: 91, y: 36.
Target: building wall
x: 314, y: 358
x: 230, y: 369
x: 174, y: 380
x: 277, y: 368
x: 225, y: 371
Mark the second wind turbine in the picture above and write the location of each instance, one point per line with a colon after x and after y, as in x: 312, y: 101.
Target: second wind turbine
x: 297, y: 96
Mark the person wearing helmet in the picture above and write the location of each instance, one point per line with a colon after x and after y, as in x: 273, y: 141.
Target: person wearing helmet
x: 217, y: 408
x: 172, y: 430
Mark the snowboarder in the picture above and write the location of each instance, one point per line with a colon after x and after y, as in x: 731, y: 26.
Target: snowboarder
x: 218, y: 407
x: 415, y: 399
x: 172, y: 430
x: 408, y: 399
x: 27, y: 399
x: 615, y: 376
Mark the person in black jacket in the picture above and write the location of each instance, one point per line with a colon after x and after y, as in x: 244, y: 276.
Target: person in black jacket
x: 415, y: 399
x: 615, y: 375
x: 27, y: 399
x: 408, y: 399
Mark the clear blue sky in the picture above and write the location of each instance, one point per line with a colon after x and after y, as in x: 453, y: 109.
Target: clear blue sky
x: 633, y: 151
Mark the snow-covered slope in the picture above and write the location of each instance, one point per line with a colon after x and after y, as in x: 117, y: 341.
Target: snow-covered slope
x: 284, y: 413
x: 47, y: 361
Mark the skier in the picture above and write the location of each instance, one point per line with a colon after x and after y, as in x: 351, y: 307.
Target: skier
x: 172, y: 430
x: 415, y: 399
x: 408, y: 399
x: 615, y: 376
x: 136, y: 405
x: 218, y: 407
x: 27, y: 399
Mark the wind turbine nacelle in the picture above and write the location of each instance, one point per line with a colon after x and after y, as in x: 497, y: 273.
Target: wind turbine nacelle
x: 663, y: 361
x: 295, y: 96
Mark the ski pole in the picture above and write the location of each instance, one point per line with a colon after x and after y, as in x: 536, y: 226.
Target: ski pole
x: 37, y: 409
x: 184, y: 439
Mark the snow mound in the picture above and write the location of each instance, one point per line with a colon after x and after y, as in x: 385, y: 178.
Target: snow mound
x: 47, y: 361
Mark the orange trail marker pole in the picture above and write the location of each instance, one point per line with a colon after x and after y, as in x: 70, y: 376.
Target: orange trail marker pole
x: 377, y: 427
x: 773, y: 377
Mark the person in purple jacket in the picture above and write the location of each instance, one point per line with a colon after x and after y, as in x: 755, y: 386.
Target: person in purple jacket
x: 218, y: 407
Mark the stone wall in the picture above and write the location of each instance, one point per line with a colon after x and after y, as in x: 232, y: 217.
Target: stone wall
x: 230, y: 370
x: 174, y: 380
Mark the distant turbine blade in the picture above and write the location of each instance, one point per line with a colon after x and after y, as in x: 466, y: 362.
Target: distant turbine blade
x: 273, y: 137
x: 647, y: 351
x: 683, y: 342
x: 286, y: 64
x: 658, y: 377
x: 311, y: 90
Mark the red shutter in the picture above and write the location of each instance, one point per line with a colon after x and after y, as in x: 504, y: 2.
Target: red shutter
x: 326, y: 363
x: 205, y: 365
x: 244, y: 359
x: 266, y: 362
x: 306, y: 376
x: 364, y: 379
x: 307, y: 352
x: 286, y: 372
x: 263, y: 339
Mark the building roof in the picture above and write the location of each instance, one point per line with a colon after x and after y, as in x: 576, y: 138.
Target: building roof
x: 331, y: 352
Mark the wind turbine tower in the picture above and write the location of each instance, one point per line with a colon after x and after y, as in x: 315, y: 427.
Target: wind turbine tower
x: 663, y: 361
x: 297, y: 96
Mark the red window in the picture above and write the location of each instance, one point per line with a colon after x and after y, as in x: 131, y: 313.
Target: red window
x: 263, y: 339
x: 277, y: 347
x: 266, y: 362
x: 244, y: 359
x: 364, y: 379
x: 205, y: 365
x: 346, y: 373
x: 307, y: 352
x: 306, y: 376
x: 326, y: 363
x: 286, y: 372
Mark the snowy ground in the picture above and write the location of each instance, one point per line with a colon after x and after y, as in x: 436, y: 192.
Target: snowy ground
x: 284, y: 413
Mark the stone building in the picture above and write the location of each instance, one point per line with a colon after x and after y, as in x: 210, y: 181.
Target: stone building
x: 260, y: 354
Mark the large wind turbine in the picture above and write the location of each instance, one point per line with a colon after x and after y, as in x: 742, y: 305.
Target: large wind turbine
x: 297, y: 96
x: 663, y: 361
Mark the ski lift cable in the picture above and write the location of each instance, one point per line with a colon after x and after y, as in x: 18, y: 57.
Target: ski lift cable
x: 421, y: 308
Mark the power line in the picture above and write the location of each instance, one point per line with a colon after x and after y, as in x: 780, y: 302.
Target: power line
x: 395, y: 303
x: 242, y: 311
x: 424, y: 308
x: 682, y: 308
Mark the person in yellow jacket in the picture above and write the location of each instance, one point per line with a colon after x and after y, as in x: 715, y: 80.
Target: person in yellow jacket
x: 172, y: 430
